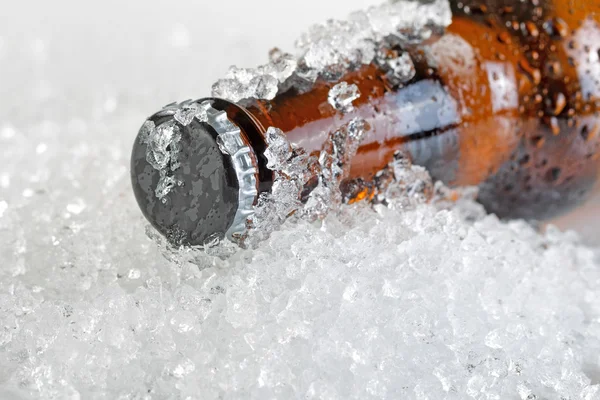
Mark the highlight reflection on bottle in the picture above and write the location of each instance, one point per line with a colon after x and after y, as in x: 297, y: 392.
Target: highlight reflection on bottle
x: 506, y: 99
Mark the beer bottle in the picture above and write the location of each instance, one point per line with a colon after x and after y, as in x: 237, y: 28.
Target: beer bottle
x: 506, y: 98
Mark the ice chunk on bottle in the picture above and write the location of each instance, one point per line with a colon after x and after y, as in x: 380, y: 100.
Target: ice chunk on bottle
x: 342, y: 95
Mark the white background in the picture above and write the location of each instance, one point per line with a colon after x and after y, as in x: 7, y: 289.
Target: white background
x: 118, y: 44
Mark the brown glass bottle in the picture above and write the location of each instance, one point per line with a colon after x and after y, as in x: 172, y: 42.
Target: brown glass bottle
x: 507, y: 99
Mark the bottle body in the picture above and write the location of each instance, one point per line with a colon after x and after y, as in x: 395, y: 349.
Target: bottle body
x: 506, y: 99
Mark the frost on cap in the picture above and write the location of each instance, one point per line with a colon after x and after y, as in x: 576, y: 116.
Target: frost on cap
x: 331, y: 48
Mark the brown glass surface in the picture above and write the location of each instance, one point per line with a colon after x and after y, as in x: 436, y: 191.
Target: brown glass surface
x: 506, y: 99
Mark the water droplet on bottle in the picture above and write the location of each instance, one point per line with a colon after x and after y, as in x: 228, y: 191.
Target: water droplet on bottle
x: 553, y: 174
x: 531, y: 29
x: 538, y: 141
x: 504, y: 37
x: 554, y: 68
x: 556, y: 104
x: 554, y: 125
x: 589, y: 133
x: 479, y: 9
x: 534, y: 74
x: 556, y: 27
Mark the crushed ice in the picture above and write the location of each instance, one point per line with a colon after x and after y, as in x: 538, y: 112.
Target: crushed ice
x: 400, y: 68
x: 385, y: 302
x: 163, y: 147
x: 260, y: 83
x: 328, y: 50
x: 320, y: 180
x: 187, y: 111
x: 279, y: 149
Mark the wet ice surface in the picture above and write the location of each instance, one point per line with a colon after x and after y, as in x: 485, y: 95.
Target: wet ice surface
x: 386, y: 303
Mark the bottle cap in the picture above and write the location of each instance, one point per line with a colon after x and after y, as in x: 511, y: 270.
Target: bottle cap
x: 194, y: 174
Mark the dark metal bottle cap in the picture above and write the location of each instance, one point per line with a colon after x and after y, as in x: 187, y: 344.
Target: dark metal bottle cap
x: 193, y: 175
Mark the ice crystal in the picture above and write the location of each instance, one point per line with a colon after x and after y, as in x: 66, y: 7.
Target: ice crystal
x: 228, y: 143
x: 243, y: 83
x: 162, y: 153
x: 401, y: 68
x: 186, y: 112
x: 263, y: 87
x: 185, y: 115
x: 342, y: 95
x: 335, y: 161
x: 278, y: 150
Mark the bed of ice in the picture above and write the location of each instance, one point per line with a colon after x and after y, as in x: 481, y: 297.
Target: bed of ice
x: 372, y: 303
